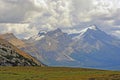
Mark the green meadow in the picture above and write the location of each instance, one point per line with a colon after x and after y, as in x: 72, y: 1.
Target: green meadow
x: 56, y: 73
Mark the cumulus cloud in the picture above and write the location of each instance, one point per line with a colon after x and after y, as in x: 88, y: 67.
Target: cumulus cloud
x: 18, y: 29
x: 56, y: 14
x: 24, y: 17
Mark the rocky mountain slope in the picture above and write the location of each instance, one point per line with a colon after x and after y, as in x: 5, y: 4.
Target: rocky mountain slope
x: 10, y: 37
x: 52, y: 47
x: 12, y: 56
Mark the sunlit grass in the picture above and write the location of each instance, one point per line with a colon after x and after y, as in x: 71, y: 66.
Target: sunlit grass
x: 54, y: 73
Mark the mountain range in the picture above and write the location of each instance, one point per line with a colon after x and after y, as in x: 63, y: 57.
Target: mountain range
x: 10, y: 55
x: 90, y: 48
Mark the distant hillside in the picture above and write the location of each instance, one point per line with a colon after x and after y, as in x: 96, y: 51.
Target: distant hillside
x: 10, y: 37
x: 23, y: 45
x: 12, y: 56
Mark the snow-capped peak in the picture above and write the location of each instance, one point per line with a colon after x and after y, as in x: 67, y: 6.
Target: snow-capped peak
x: 92, y: 27
x: 42, y: 33
x: 38, y: 36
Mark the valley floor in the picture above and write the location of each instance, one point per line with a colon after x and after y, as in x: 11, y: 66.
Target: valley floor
x: 53, y: 73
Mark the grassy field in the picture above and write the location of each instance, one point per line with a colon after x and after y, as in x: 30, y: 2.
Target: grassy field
x: 50, y: 73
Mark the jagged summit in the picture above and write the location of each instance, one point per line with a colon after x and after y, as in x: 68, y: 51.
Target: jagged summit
x: 41, y: 33
x: 93, y: 27
x: 92, y: 32
x: 57, y: 30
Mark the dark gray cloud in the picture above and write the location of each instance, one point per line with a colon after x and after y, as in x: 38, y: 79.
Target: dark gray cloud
x: 16, y: 11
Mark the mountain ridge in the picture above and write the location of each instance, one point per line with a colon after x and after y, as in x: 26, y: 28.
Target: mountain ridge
x: 17, y: 51
x: 12, y: 56
x: 10, y: 37
x: 90, y: 47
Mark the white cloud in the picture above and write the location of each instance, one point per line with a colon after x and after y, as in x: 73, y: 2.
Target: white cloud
x: 30, y: 16
x: 116, y: 33
x: 18, y: 29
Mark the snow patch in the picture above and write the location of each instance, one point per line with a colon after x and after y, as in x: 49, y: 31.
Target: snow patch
x: 92, y: 27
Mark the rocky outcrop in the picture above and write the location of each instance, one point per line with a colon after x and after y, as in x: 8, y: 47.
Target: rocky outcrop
x: 12, y: 56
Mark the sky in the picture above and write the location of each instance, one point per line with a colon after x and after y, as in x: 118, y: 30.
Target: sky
x: 26, y: 18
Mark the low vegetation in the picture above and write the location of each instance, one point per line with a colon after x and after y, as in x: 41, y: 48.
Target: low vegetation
x: 53, y: 73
